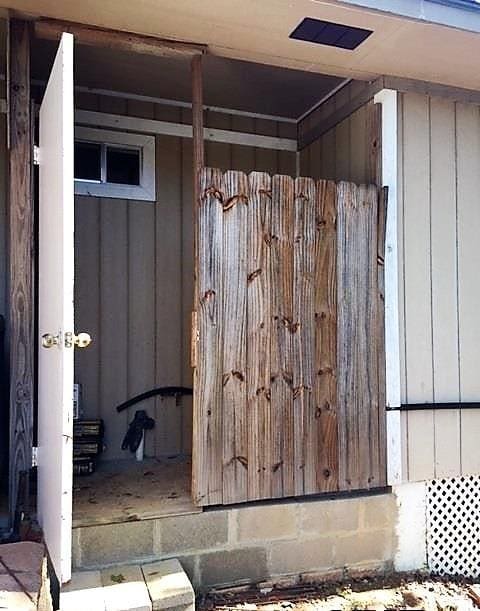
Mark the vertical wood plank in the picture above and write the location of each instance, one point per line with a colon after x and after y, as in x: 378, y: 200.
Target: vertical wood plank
x: 286, y: 159
x: 416, y: 188
x: 324, y: 431
x: 169, y: 314
x: 87, y: 300
x: 381, y: 356
x: 260, y: 433
x: 303, y: 334
x: 373, y: 144
x: 188, y: 238
x: 421, y: 451
x: 207, y: 459
x: 114, y: 323
x: 444, y: 251
x: 141, y: 311
x: 243, y: 157
x: 197, y: 118
x: 235, y: 272
x: 372, y: 413
x: 470, y: 434
x: 358, y: 144
x: 21, y: 257
x: 468, y: 215
x: 218, y: 154
x: 357, y: 325
x: 328, y: 160
x: 342, y: 150
x: 447, y: 443
x: 281, y: 338
x: 266, y: 160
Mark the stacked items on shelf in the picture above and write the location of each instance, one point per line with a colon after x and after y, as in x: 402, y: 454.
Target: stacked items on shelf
x: 87, y: 445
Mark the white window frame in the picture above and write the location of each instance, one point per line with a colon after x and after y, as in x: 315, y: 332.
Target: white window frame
x: 145, y: 191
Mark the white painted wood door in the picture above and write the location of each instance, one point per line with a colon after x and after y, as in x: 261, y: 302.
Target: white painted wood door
x: 56, y: 268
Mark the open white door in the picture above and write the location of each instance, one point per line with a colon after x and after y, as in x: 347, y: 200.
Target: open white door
x: 56, y: 268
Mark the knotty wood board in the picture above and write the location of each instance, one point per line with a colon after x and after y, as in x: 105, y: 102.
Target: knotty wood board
x: 281, y: 339
x: 21, y: 281
x: 259, y: 326
x: 233, y: 327
x: 207, y: 482
x: 357, y: 337
x: 303, y: 334
x: 324, y: 433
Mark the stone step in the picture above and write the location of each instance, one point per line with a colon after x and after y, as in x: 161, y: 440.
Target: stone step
x: 159, y: 585
x: 169, y: 586
x: 24, y: 584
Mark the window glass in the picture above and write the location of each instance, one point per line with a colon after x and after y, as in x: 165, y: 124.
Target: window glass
x: 123, y: 166
x: 88, y: 161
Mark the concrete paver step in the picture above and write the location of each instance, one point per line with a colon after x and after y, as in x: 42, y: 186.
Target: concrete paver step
x: 125, y: 589
x: 161, y: 585
x: 169, y: 586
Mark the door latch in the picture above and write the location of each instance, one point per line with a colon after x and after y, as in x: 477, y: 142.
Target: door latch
x: 82, y: 340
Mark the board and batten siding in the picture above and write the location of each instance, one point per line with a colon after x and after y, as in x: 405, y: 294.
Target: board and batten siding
x: 342, y: 152
x: 439, y: 229
x: 134, y: 277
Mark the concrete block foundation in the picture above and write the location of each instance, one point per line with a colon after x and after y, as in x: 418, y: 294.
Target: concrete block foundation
x: 230, y: 546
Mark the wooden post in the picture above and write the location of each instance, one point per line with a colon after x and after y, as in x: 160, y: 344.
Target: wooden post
x: 197, y: 121
x: 21, y: 257
x: 198, y: 164
x: 374, y: 143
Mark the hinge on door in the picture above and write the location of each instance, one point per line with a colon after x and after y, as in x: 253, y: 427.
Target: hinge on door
x: 194, y: 340
x: 36, y: 155
x: 34, y: 456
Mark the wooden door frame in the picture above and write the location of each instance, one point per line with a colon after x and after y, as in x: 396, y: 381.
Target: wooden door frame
x: 21, y: 256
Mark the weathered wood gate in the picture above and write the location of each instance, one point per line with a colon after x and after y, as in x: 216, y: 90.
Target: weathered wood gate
x: 289, y: 363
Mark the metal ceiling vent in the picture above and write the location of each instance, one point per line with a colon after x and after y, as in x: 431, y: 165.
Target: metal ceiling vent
x: 329, y: 33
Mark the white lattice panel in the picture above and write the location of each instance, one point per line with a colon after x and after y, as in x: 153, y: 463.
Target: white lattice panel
x: 453, y: 526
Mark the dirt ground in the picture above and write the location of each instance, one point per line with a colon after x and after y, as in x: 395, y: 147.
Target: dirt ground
x: 408, y: 591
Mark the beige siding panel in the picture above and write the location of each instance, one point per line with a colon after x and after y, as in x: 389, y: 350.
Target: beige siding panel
x: 141, y: 309
x: 266, y: 160
x: 421, y: 448
x: 444, y: 251
x: 447, y: 443
x: 357, y: 171
x: 87, y: 300
x: 342, y: 150
x: 468, y: 189
x: 113, y: 321
x: 218, y: 154
x: 243, y: 157
x: 328, y: 161
x: 168, y: 292
x: 470, y: 429
x: 286, y: 160
x: 315, y: 160
x: 416, y: 189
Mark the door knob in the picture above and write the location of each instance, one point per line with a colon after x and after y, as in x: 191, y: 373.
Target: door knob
x: 49, y: 340
x: 82, y: 340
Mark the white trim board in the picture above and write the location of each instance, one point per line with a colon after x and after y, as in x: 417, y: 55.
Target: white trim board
x: 388, y: 98
x: 125, y: 95
x: 181, y: 130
